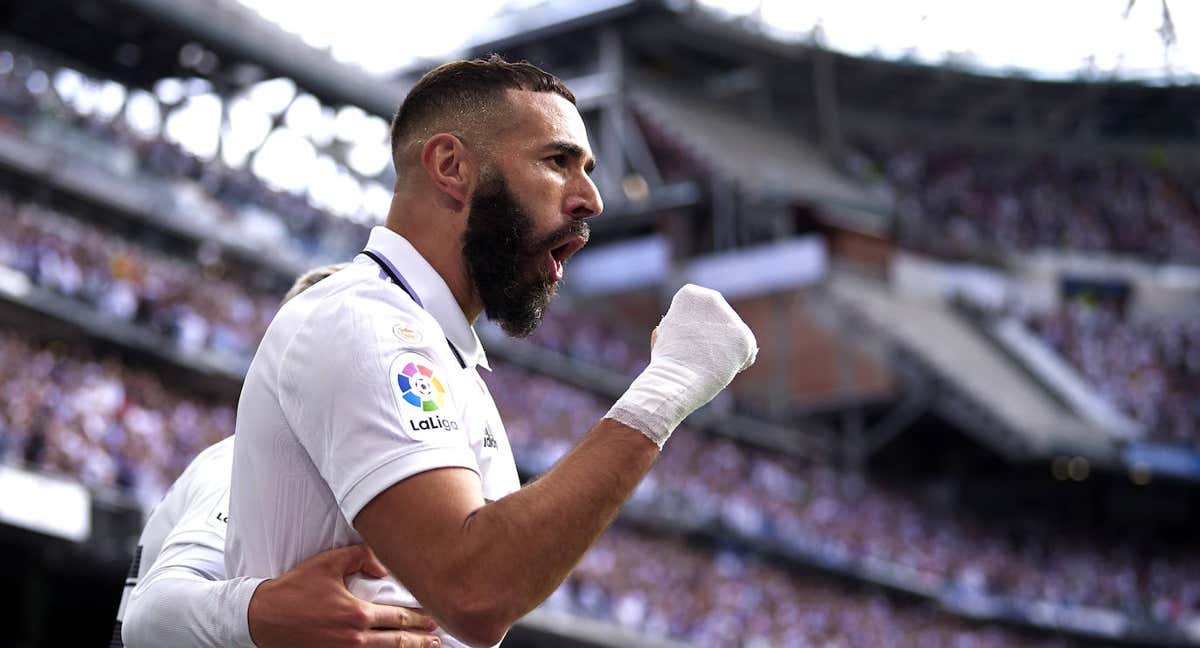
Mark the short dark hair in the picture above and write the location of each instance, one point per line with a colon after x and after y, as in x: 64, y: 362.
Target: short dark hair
x: 460, y: 87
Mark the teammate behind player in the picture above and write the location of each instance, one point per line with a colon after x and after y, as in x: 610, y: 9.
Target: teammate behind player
x: 363, y: 411
x: 183, y: 600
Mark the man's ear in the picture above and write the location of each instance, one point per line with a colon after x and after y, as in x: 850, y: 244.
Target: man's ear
x: 446, y: 162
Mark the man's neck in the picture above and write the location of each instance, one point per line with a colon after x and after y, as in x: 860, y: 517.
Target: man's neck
x: 446, y: 260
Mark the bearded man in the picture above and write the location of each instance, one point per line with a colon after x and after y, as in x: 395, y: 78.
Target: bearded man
x: 363, y: 417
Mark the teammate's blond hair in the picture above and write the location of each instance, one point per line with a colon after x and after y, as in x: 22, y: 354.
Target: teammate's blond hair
x: 310, y: 278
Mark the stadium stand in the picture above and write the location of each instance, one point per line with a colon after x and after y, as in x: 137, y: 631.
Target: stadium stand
x: 129, y: 282
x: 971, y: 362
x: 989, y: 199
x: 205, y: 201
x: 1148, y: 367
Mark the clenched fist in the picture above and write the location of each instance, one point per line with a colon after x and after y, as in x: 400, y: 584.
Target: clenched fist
x: 697, y: 349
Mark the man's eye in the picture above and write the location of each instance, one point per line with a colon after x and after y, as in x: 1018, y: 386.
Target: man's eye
x: 558, y: 160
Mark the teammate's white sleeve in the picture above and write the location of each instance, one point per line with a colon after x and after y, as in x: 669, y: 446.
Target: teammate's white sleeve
x: 179, y: 604
x: 183, y: 600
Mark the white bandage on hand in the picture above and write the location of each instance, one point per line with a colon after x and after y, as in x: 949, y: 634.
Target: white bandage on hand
x: 701, y: 345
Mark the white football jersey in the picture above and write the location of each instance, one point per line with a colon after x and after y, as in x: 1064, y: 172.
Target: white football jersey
x: 363, y: 380
x: 188, y: 529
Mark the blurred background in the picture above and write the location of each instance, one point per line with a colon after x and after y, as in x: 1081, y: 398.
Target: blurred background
x: 966, y: 235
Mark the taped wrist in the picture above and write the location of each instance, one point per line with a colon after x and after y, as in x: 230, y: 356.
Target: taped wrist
x: 657, y: 401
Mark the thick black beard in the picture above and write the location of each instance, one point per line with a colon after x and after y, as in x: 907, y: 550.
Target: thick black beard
x: 503, y: 259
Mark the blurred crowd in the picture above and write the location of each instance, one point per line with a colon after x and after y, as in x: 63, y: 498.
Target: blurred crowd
x: 67, y: 411
x: 819, y: 510
x: 109, y: 425
x: 589, y: 340
x: 1148, y: 367
x: 203, y: 191
x: 978, y: 199
x: 132, y: 283
x: 662, y: 587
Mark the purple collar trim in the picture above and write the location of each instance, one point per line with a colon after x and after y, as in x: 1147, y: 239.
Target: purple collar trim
x: 395, y: 274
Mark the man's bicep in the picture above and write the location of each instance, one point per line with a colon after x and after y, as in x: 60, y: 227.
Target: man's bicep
x: 369, y: 409
x: 414, y: 525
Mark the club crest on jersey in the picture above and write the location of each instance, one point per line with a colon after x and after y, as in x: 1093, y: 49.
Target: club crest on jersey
x: 408, y: 333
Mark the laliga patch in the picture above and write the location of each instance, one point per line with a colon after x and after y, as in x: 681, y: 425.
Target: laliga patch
x: 421, y: 396
x: 420, y: 387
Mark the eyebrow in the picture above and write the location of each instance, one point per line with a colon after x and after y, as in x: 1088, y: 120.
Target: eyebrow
x: 574, y: 151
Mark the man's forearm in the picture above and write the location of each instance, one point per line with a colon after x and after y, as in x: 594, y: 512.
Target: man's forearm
x: 506, y: 557
x: 536, y: 536
x: 479, y: 567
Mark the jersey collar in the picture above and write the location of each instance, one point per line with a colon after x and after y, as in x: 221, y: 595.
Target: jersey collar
x: 430, y: 291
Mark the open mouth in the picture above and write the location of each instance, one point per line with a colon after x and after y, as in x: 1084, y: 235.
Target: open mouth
x: 559, y: 254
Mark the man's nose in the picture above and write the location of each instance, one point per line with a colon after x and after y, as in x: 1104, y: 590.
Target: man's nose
x: 584, y: 200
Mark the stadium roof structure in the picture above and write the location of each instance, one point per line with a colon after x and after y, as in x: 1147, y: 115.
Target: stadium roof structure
x: 772, y: 117
x: 202, y: 65
x: 138, y: 42
x: 988, y: 394
x: 728, y: 58
x: 752, y: 157
x: 764, y: 158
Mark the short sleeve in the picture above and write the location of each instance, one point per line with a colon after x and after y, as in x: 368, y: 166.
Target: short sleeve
x: 369, y: 395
